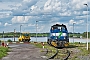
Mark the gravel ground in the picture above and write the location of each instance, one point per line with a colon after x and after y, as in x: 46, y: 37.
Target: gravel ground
x: 24, y: 52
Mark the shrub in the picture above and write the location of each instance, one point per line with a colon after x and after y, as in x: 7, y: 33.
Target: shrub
x: 9, y: 40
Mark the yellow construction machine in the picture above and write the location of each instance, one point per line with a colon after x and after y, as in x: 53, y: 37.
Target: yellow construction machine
x: 24, y: 37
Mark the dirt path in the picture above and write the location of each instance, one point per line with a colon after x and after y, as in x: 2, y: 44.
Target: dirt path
x: 24, y: 52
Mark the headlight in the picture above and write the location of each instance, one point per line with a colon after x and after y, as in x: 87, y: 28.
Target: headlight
x: 64, y: 34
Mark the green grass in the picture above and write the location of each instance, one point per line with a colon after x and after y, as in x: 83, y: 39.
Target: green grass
x: 3, y: 51
x: 84, y: 50
x: 38, y: 45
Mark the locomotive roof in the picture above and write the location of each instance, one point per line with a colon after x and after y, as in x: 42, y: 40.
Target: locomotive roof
x: 59, y: 25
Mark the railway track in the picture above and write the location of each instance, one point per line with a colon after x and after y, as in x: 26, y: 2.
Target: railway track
x: 61, y: 54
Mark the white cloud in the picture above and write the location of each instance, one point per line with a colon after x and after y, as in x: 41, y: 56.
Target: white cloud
x: 19, y: 19
x: 67, y: 13
x: 5, y: 14
x: 81, y: 17
x: 77, y: 5
x: 7, y: 24
x: 8, y: 5
x: 33, y: 7
x: 52, y: 6
x: 57, y: 7
x: 31, y: 25
x: 76, y: 22
x: 28, y: 3
x: 80, y: 22
x: 70, y: 28
x: 47, y: 5
x: 10, y: 0
x: 0, y: 23
x: 77, y: 12
x: 40, y: 28
x: 71, y: 21
x: 23, y: 8
x: 85, y: 12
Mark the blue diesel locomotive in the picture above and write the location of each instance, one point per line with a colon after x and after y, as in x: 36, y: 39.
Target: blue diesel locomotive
x: 58, y: 36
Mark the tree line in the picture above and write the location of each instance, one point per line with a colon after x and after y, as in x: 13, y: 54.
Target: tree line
x: 17, y: 34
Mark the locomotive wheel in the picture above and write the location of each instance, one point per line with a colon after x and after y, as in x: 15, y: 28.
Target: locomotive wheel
x: 28, y: 40
x: 48, y: 41
x: 23, y: 40
x: 19, y: 40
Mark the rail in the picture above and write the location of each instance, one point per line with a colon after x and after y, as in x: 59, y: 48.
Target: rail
x: 68, y: 55
x: 52, y: 57
x: 57, y: 51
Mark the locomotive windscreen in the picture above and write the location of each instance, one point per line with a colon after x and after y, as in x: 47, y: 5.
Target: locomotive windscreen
x: 61, y: 27
x: 25, y: 34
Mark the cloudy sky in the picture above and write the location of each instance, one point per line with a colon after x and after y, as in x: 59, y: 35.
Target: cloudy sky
x: 14, y: 13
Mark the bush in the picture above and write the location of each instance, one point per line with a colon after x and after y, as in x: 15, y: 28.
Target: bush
x: 9, y: 40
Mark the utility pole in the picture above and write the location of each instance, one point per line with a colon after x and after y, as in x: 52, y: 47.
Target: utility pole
x: 14, y: 35
x: 73, y: 32
x: 3, y: 39
x: 87, y: 25
x: 36, y: 31
x: 20, y: 30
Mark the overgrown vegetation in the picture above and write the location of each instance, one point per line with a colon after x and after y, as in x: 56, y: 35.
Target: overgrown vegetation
x: 3, y: 51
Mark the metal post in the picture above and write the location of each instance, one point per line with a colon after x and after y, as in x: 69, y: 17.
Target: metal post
x: 87, y: 25
x: 73, y: 32
x: 3, y: 35
x: 3, y: 39
x: 36, y: 31
x: 14, y: 35
x: 20, y: 30
x: 36, y: 28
